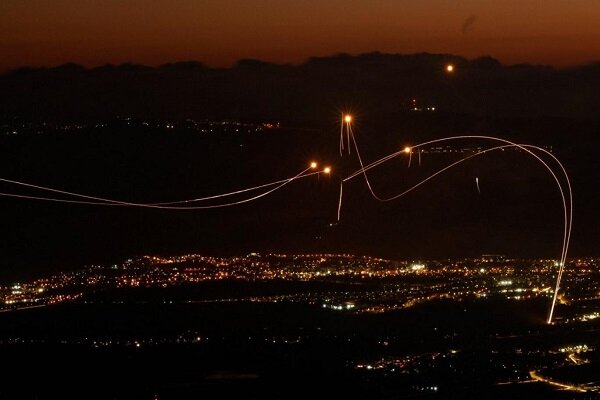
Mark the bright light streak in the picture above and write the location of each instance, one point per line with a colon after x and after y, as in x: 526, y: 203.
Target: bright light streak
x: 345, y: 133
x: 568, y: 209
x: 99, y: 201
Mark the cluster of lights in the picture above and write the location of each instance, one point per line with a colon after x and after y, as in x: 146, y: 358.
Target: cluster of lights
x: 314, y: 165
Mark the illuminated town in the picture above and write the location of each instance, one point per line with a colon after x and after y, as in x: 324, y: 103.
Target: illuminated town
x: 382, y: 285
x: 17, y: 127
x: 344, y: 286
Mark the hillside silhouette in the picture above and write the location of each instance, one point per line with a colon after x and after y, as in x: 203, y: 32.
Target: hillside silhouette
x: 375, y: 83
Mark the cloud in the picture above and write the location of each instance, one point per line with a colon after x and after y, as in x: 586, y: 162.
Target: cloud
x: 467, y: 26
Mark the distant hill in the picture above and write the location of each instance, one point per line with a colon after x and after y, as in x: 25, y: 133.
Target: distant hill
x: 371, y: 83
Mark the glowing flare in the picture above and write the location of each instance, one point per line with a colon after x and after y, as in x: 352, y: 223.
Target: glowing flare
x: 313, y: 165
x: 327, y: 170
x: 407, y: 150
x: 449, y: 68
x: 348, y: 118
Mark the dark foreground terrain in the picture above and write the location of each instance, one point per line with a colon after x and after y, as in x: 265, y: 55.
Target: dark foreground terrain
x: 179, y: 350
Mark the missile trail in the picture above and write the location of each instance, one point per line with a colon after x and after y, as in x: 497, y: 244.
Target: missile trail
x: 99, y: 201
x: 384, y: 159
x: 349, y: 133
x: 523, y: 147
x: 567, y: 209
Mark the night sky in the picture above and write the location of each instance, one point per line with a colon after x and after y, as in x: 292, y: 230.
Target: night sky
x: 395, y: 183
x: 529, y: 104
x: 219, y: 32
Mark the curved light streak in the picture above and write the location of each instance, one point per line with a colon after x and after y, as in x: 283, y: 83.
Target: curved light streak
x: 568, y: 211
x: 111, y: 202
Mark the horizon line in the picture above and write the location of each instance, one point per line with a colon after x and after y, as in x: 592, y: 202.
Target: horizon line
x: 236, y: 64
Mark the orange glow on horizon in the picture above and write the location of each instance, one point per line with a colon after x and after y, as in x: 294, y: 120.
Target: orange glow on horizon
x: 561, y: 34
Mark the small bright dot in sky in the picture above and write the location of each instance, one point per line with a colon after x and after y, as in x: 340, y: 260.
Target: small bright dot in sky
x: 449, y: 68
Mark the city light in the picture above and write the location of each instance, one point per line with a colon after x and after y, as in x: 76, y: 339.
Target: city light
x: 313, y: 165
x: 407, y: 150
x: 327, y: 170
x: 348, y: 118
x: 449, y: 68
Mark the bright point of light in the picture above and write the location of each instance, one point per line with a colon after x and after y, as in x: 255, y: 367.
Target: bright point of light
x: 348, y: 118
x: 313, y: 165
x: 449, y: 68
x: 407, y: 150
x: 327, y: 170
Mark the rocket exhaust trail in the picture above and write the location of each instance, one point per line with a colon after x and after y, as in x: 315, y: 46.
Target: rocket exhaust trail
x: 92, y: 200
x: 567, y: 209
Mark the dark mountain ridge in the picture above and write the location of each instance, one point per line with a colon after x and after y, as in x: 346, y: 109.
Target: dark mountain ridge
x: 373, y: 83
